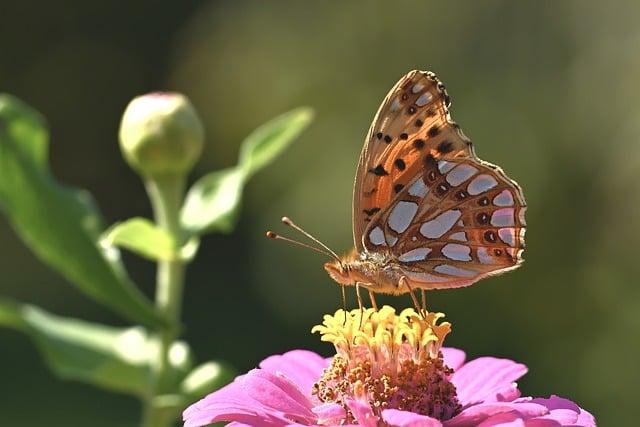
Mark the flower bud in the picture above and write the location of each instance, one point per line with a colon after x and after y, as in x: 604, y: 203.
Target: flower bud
x: 161, y: 134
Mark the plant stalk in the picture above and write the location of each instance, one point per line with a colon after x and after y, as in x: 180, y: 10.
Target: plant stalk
x: 166, y: 196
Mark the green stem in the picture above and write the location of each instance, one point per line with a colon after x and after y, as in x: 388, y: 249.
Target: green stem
x: 166, y: 198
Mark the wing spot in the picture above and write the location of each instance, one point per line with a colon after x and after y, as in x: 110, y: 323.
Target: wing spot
x: 404, y: 136
x: 482, y: 218
x: 379, y: 135
x: 442, y: 188
x: 503, y: 199
x: 418, y: 144
x: 424, y: 99
x: 402, y: 215
x: 433, y: 131
x: 481, y: 183
x: 483, y: 202
x: 387, y: 139
x: 418, y: 188
x: 376, y: 236
x: 398, y: 188
x: 441, y: 224
x: 415, y: 255
x: 400, y: 164
x: 379, y: 171
x: 497, y: 252
x: 411, y: 110
x: 419, y: 123
x: 457, y: 252
x: 445, y: 147
x: 417, y: 87
x: 490, y: 236
x: 452, y: 270
x: 431, y: 112
x: 371, y: 211
x: 461, y: 195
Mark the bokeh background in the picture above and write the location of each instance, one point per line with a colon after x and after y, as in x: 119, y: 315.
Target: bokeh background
x: 548, y: 90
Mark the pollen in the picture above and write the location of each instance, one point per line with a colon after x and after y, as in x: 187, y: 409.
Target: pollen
x: 391, y: 361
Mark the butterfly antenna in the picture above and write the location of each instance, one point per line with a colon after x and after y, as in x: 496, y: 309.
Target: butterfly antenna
x: 287, y: 221
x: 272, y: 235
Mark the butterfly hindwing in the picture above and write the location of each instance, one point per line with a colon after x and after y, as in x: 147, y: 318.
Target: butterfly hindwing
x: 412, y: 122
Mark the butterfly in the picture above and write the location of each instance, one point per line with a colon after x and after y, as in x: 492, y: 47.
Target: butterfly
x: 427, y: 212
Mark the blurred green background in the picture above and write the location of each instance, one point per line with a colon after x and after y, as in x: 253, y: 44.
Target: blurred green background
x: 548, y: 90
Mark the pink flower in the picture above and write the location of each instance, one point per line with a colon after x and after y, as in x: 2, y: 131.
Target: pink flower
x: 389, y: 370
x: 279, y: 394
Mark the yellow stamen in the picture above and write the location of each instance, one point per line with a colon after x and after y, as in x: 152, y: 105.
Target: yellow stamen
x: 390, y: 360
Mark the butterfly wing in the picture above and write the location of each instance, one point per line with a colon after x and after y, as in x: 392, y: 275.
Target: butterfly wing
x: 446, y: 218
x: 412, y: 121
x: 459, y: 221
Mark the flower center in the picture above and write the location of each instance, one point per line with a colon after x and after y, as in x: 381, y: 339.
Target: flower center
x: 391, y: 361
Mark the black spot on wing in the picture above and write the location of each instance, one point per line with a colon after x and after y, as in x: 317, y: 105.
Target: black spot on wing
x: 379, y: 171
x: 445, y: 147
x: 399, y: 163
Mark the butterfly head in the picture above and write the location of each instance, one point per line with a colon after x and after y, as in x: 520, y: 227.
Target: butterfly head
x: 345, y: 270
x: 367, y: 269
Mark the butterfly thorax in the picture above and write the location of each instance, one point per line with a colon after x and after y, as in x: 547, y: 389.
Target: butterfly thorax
x: 373, y: 270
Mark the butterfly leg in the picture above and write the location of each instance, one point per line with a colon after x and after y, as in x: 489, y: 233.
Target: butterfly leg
x: 360, y: 305
x: 372, y: 297
x: 344, y: 304
x: 424, y: 300
x: 404, y: 282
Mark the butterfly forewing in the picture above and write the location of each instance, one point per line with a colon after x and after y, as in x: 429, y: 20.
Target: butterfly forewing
x: 412, y: 122
x: 443, y: 215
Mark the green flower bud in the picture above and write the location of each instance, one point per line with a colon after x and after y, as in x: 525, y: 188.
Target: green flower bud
x: 161, y: 134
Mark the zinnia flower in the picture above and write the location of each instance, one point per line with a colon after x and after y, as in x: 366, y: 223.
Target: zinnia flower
x: 389, y: 370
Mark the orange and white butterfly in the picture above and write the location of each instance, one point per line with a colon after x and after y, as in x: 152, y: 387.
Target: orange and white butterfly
x: 427, y: 212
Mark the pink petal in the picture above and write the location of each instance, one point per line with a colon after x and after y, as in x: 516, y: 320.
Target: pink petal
x: 362, y: 413
x: 565, y: 412
x: 505, y: 419
x: 258, y: 398
x: 486, y: 379
x: 453, y: 357
x: 396, y: 418
x: 474, y: 415
x: 330, y: 413
x: 301, y: 366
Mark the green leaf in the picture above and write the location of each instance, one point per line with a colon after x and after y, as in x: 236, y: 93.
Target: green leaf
x: 142, y: 237
x: 118, y: 359
x: 213, y: 202
x: 265, y: 143
x: 60, y: 224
